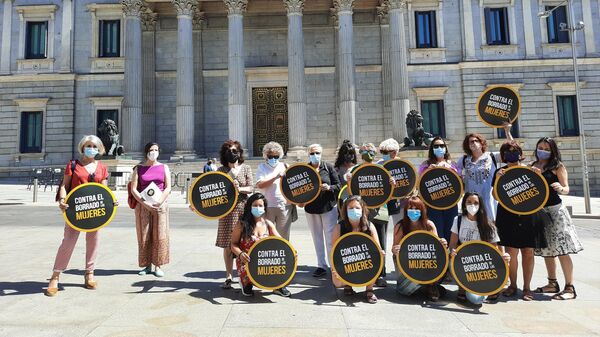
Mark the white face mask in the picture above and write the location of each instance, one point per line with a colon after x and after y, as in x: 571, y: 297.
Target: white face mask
x: 472, y: 209
x: 153, y: 155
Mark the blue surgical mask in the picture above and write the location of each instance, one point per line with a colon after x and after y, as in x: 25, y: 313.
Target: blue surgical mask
x: 354, y: 213
x: 414, y: 214
x: 315, y: 159
x: 258, y: 211
x: 543, y: 154
x: 439, y: 152
x: 386, y: 157
x: 273, y: 162
x: 90, y: 152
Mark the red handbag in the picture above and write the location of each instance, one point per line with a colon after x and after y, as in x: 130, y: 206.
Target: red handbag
x: 131, y: 201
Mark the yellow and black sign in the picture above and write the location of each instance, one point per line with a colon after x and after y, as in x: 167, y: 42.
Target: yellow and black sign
x: 498, y: 105
x: 272, y: 263
x: 423, y: 258
x: 301, y: 184
x: 440, y: 188
x: 357, y: 259
x: 405, y: 176
x: 213, y: 195
x: 521, y: 190
x: 479, y: 268
x: 91, y: 207
x: 372, y: 183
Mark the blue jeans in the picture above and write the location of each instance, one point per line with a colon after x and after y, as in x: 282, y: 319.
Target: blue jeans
x: 443, y: 220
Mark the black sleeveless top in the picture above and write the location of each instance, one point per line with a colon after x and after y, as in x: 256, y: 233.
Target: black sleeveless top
x: 346, y: 228
x: 553, y: 197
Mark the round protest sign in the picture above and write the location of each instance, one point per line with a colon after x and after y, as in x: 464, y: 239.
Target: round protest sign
x: 357, y: 259
x: 272, y: 263
x: 498, y: 105
x: 301, y: 184
x: 213, y: 195
x: 372, y: 183
x: 479, y: 268
x: 405, y: 175
x: 423, y: 258
x: 342, y: 196
x: 91, y: 207
x: 521, y: 190
x: 440, y: 188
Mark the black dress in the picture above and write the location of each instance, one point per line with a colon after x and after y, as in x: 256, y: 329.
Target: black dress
x: 518, y: 231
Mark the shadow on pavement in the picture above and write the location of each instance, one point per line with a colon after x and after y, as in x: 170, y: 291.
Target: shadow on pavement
x: 102, y: 272
x: 31, y: 287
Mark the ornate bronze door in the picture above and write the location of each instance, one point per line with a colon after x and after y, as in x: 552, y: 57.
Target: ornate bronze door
x: 270, y: 117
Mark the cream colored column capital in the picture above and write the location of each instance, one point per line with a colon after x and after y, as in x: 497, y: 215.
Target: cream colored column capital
x: 132, y: 7
x: 185, y: 7
x: 236, y: 7
x: 343, y: 5
x: 294, y: 7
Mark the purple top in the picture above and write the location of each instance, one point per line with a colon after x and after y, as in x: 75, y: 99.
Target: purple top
x: 424, y: 166
x: 148, y: 174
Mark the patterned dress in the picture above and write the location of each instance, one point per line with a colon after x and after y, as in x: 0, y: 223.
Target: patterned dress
x: 245, y: 244
x: 244, y: 179
x: 477, y: 177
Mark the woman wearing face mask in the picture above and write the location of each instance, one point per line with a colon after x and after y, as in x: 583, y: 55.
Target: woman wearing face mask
x: 152, y: 216
x: 518, y: 233
x: 86, y: 169
x: 439, y: 156
x: 267, y: 181
x: 355, y: 219
x: 321, y: 214
x: 415, y: 218
x: 478, y: 167
x: 473, y: 224
x: 560, y: 232
x: 252, y: 227
x: 345, y: 160
x: 232, y: 161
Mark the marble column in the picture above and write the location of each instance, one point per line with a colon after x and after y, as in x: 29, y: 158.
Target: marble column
x: 149, y: 76
x: 386, y: 74
x: 346, y: 70
x: 296, y: 87
x: 236, y: 71
x: 200, y: 116
x: 66, y: 34
x: 399, y: 68
x: 185, y: 78
x: 6, y: 37
x: 132, y: 104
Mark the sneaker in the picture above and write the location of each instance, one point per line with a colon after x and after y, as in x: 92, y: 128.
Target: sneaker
x: 319, y: 272
x: 146, y: 271
x: 282, y: 292
x: 247, y: 290
x: 381, y: 282
x: 158, y: 272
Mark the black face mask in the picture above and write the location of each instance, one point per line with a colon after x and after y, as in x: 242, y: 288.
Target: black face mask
x: 349, y: 158
x: 232, y: 157
x: 512, y: 157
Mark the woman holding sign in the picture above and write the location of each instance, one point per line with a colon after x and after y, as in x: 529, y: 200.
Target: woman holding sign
x: 252, y: 227
x: 232, y: 161
x: 439, y: 156
x: 518, y: 233
x: 478, y: 167
x: 151, y: 186
x: 86, y: 169
x: 415, y: 218
x: 560, y: 232
x: 355, y: 219
x: 474, y: 224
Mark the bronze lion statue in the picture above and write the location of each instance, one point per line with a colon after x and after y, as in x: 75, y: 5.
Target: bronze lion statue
x: 109, y: 135
x: 416, y: 135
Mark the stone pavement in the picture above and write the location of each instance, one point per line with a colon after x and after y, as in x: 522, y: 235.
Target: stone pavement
x: 189, y: 302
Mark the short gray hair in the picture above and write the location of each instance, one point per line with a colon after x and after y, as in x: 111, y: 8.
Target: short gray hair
x: 368, y: 146
x: 315, y: 146
x: 272, y: 147
x: 389, y: 144
x: 93, y: 139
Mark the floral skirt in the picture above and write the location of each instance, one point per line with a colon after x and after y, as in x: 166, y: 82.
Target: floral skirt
x: 560, y: 233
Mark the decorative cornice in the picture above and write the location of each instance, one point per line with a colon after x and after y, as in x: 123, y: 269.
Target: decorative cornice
x: 148, y: 19
x: 236, y: 6
x: 185, y: 7
x: 198, y: 19
x: 294, y: 6
x: 343, y: 5
x: 132, y: 7
x: 396, y: 4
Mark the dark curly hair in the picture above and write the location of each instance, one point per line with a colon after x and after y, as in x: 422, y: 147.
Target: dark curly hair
x: 247, y: 219
x: 346, y: 154
x: 431, y: 158
x: 555, y: 160
x: 466, y: 144
x: 226, y: 146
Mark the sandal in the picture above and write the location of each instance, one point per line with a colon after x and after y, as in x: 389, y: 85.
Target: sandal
x: 493, y: 297
x: 227, y: 284
x: 509, y: 292
x: 51, y: 292
x: 568, y: 293
x: 551, y: 288
x: 371, y: 297
x: 527, y: 295
x: 348, y: 291
x: 89, y: 284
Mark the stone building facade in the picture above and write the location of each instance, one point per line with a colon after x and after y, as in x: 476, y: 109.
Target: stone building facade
x: 190, y: 74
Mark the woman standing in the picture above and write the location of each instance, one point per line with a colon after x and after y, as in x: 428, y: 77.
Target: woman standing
x: 560, y: 232
x: 439, y: 156
x: 345, y: 160
x: 355, y: 219
x: 252, y: 227
x: 152, y: 216
x: 86, y: 169
x: 478, y: 167
x: 518, y: 233
x: 321, y: 214
x: 232, y: 161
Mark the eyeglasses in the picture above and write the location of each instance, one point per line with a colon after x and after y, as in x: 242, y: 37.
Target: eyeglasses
x: 272, y: 157
x: 314, y: 153
x: 439, y: 146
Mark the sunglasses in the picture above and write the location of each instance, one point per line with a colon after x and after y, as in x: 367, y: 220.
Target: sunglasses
x: 439, y: 146
x: 233, y: 151
x: 272, y: 157
x: 314, y: 153
x: 385, y: 151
